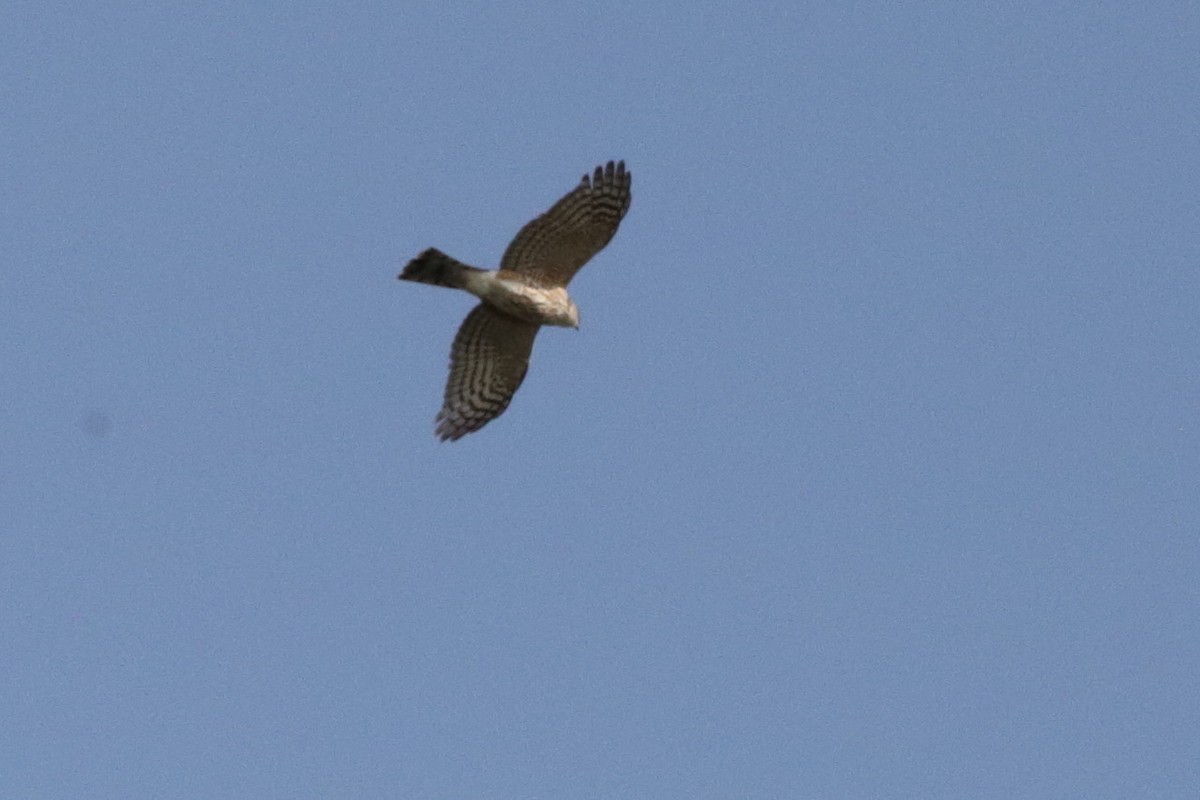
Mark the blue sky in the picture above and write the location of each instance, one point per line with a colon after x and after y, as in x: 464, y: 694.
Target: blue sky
x: 874, y: 470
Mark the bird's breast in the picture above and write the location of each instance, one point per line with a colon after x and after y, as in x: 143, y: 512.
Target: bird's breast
x: 530, y: 303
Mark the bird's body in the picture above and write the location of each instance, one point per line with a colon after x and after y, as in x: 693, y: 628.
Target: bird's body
x: 503, y: 290
x: 491, y: 352
x: 523, y: 300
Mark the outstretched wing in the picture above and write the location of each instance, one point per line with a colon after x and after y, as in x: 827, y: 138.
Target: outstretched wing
x: 553, y: 247
x: 487, y: 364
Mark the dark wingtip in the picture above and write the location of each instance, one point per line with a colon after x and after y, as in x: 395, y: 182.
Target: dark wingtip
x: 607, y: 172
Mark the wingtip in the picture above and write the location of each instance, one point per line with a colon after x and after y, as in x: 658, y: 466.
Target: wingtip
x: 608, y: 172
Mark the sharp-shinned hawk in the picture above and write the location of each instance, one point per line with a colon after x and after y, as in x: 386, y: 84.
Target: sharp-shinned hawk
x: 491, y: 350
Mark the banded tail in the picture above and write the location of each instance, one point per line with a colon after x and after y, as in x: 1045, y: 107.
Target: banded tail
x: 435, y: 267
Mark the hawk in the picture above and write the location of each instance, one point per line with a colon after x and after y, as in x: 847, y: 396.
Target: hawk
x: 490, y: 354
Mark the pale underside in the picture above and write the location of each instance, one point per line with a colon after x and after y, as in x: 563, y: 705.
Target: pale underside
x: 512, y: 294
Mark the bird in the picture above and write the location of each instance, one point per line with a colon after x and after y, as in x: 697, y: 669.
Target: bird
x: 490, y: 353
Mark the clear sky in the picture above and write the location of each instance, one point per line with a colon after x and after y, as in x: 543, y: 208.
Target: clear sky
x: 873, y: 471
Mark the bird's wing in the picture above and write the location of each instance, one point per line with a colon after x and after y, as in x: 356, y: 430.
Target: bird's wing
x: 487, y: 364
x: 553, y: 247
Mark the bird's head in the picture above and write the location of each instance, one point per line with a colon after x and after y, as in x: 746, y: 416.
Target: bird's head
x: 557, y: 308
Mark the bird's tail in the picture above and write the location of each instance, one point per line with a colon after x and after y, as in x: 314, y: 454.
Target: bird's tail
x: 437, y: 268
